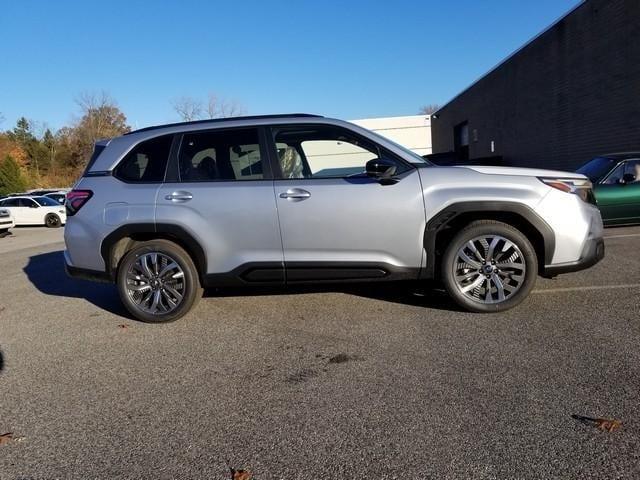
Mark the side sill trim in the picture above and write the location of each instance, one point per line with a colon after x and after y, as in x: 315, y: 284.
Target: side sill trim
x: 274, y: 273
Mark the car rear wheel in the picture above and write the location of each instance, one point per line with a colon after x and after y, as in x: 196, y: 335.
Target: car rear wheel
x: 489, y: 266
x: 158, y: 282
x: 52, y: 221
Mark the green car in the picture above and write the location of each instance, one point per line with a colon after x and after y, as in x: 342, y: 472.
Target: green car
x: 616, y: 184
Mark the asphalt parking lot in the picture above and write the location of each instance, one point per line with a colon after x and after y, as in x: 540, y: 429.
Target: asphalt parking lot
x: 370, y: 382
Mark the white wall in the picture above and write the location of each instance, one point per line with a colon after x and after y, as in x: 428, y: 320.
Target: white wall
x: 413, y: 132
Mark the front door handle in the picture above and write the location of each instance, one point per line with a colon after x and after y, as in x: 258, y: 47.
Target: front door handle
x: 179, y: 196
x: 295, y: 194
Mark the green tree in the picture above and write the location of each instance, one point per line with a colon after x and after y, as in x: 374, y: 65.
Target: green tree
x: 38, y: 158
x: 49, y: 146
x: 11, y: 179
x: 21, y: 133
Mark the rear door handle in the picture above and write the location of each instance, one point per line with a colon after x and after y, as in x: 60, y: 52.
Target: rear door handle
x: 179, y: 196
x: 295, y: 194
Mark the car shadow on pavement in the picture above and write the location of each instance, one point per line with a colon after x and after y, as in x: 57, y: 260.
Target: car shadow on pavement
x: 46, y: 272
x: 416, y: 294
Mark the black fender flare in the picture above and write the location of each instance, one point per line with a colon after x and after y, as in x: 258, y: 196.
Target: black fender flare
x: 158, y: 230
x: 444, y: 217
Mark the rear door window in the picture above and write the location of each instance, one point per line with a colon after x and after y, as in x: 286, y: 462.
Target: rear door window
x: 27, y: 202
x: 222, y: 155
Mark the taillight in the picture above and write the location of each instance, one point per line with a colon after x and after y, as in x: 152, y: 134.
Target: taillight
x: 577, y: 186
x: 76, y: 200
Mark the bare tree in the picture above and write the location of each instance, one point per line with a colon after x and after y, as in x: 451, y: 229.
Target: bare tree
x: 188, y: 108
x: 429, y: 109
x: 1, y: 118
x: 220, y: 108
x: 191, y: 108
x: 38, y: 128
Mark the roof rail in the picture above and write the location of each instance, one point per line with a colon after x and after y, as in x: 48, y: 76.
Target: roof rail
x: 226, y: 119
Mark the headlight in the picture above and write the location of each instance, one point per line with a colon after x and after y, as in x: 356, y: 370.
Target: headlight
x: 580, y: 187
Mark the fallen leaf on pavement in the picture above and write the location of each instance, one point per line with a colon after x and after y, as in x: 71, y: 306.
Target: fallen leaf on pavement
x: 123, y: 326
x: 606, y: 424
x: 241, y: 475
x: 6, y: 438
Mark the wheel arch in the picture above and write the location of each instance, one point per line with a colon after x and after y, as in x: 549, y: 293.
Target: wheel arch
x: 121, y: 240
x: 447, y: 222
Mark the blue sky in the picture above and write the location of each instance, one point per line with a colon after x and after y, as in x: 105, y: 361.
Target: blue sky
x: 346, y: 59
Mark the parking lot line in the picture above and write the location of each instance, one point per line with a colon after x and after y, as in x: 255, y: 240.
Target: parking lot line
x: 587, y: 288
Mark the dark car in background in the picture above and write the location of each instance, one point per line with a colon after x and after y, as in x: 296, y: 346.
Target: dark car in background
x: 59, y: 197
x: 616, y: 183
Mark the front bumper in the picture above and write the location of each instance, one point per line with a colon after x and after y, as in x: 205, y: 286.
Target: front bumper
x: 592, y: 253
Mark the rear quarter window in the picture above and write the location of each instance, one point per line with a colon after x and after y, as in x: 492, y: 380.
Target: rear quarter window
x: 147, y: 162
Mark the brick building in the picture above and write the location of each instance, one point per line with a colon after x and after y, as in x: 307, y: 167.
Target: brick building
x: 571, y: 93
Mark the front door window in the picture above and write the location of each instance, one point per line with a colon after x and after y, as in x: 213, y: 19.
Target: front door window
x: 318, y: 152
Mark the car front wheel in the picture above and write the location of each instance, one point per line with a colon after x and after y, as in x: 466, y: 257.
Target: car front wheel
x: 489, y: 266
x: 158, y: 281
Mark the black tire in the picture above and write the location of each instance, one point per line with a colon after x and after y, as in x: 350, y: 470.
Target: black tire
x: 450, y: 265
x: 190, y: 287
x: 52, y: 221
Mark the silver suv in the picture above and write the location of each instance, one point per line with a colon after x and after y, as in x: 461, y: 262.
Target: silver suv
x: 286, y: 199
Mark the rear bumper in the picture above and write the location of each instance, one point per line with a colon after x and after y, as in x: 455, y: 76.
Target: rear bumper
x: 592, y: 253
x: 6, y: 223
x: 84, y: 273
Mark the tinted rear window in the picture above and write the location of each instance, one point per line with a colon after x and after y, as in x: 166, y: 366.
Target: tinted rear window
x: 221, y: 155
x: 147, y: 161
x: 46, y: 202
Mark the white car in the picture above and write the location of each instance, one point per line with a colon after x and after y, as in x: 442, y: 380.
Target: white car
x: 35, y: 211
x: 6, y: 221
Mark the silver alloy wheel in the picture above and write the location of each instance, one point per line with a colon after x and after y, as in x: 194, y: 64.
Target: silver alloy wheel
x: 155, y: 283
x: 489, y: 269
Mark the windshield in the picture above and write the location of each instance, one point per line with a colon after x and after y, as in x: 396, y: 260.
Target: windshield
x: 597, y: 168
x: 46, y: 202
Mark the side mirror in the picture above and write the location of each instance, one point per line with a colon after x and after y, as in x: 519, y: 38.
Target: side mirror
x: 381, y: 168
x: 33, y: 205
x: 627, y: 178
